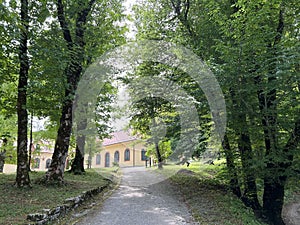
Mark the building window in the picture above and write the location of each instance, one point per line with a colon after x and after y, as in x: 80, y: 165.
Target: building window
x: 107, y: 159
x: 127, y: 155
x: 98, y: 159
x: 117, y: 156
x: 48, y: 163
x: 36, y: 163
x: 38, y: 147
x: 143, y: 155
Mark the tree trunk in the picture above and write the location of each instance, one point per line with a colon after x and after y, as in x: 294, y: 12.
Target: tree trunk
x: 234, y: 182
x: 72, y: 72
x: 30, y: 142
x: 273, y: 200
x: 159, y: 158
x: 22, y: 178
x: 274, y: 186
x: 249, y: 197
x: 77, y: 166
x: 58, y: 162
x: 78, y: 163
x: 275, y: 178
x: 2, y: 160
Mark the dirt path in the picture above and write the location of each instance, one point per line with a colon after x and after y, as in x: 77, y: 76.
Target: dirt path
x: 291, y: 214
x: 143, y: 198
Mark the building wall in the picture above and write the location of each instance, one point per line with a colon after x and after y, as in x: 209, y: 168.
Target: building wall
x: 108, y: 153
x: 39, y: 162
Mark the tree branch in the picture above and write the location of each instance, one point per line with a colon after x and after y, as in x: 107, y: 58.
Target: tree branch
x: 183, y: 16
x: 63, y: 23
x: 81, y: 22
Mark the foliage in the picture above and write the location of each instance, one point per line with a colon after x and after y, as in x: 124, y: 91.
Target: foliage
x: 8, y: 131
x: 157, y: 117
x: 253, y: 49
x: 164, y: 147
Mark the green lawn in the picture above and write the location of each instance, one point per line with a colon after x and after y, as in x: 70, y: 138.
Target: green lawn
x: 16, y: 203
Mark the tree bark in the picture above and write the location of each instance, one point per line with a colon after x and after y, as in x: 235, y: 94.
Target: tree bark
x: 30, y: 142
x: 275, y: 177
x: 234, y: 182
x: 249, y: 197
x: 78, y: 163
x: 72, y: 73
x: 77, y: 166
x: 159, y: 158
x: 22, y: 178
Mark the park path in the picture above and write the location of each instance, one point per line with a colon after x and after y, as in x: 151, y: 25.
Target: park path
x: 143, y: 198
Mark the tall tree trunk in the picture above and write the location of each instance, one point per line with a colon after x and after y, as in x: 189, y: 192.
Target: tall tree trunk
x: 22, y: 178
x: 274, y: 187
x: 78, y: 163
x: 77, y: 166
x: 234, y: 182
x: 249, y: 197
x: 30, y: 142
x: 3, y: 153
x: 58, y: 162
x: 156, y: 143
x: 159, y: 158
x: 72, y: 73
x: 274, y: 178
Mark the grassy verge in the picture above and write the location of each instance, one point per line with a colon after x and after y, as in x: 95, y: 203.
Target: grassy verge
x: 208, y: 196
x: 16, y: 203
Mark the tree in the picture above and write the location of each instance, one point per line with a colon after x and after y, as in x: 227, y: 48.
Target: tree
x: 102, y: 114
x: 73, y: 71
x: 22, y: 178
x: 256, y: 64
x: 77, y: 21
x: 155, y: 111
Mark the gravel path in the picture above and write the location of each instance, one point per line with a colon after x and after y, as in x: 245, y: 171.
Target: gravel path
x: 291, y: 214
x: 143, y: 198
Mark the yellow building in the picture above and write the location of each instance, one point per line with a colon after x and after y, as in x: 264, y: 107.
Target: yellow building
x: 41, y: 155
x: 121, y: 149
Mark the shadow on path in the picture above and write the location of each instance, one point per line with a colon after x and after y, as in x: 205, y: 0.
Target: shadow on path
x: 144, y: 197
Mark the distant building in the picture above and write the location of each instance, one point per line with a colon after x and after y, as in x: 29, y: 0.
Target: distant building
x: 121, y: 149
x: 41, y: 155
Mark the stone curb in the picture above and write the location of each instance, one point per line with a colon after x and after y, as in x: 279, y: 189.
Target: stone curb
x: 69, y: 205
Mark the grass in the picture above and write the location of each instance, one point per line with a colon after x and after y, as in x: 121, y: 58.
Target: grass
x: 208, y: 196
x: 16, y: 204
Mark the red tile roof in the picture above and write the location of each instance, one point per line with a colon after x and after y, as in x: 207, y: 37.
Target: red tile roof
x: 118, y: 137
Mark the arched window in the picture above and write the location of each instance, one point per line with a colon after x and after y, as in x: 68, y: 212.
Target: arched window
x: 127, y: 155
x: 98, y: 159
x: 107, y: 159
x: 143, y: 155
x: 48, y: 163
x: 117, y: 156
x: 36, y: 163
